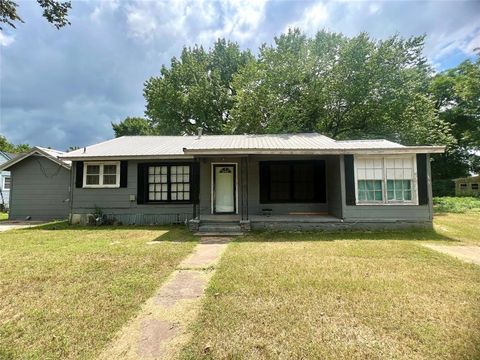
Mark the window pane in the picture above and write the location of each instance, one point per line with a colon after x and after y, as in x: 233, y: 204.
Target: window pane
x: 361, y: 185
x: 303, y: 182
x: 93, y: 179
x: 93, y: 169
x: 110, y: 169
x: 8, y: 183
x: 362, y: 196
x: 407, y: 195
x: 109, y: 179
x: 151, y: 196
x: 378, y: 196
x: 390, y: 195
x: 151, y: 170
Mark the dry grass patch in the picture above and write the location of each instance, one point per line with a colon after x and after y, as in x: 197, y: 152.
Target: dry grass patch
x: 298, y: 296
x: 461, y: 227
x: 65, y: 291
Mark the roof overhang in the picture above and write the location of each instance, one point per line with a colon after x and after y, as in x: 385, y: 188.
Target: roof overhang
x: 34, y: 151
x: 354, y: 151
x: 126, y: 157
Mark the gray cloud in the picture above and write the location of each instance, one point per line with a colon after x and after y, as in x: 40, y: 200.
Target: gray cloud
x: 63, y: 88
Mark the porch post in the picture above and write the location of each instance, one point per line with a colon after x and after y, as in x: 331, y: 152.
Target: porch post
x: 244, y: 182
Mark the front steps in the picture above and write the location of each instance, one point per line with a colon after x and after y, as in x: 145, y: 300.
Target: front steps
x: 219, y: 227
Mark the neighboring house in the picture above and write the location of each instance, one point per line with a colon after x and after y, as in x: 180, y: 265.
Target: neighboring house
x: 233, y: 182
x: 40, y: 185
x: 468, y: 186
x: 5, y: 181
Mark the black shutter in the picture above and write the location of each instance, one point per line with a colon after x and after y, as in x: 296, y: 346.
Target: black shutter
x: 264, y: 182
x: 141, y: 181
x: 123, y: 173
x: 79, y: 174
x: 196, y: 182
x: 349, y: 180
x: 422, y: 179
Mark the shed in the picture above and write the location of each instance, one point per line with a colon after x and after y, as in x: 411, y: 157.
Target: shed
x: 39, y: 185
x: 468, y: 186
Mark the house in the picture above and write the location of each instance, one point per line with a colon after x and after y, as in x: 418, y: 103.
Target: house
x: 468, y: 186
x: 242, y: 182
x: 4, y: 181
x: 40, y: 185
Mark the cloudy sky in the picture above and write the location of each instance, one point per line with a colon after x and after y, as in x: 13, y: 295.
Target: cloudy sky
x: 64, y: 87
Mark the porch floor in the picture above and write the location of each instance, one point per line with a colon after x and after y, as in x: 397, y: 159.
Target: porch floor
x: 272, y: 218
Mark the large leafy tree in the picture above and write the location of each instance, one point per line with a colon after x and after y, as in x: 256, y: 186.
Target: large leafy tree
x: 196, y: 90
x: 56, y: 12
x: 342, y: 87
x: 456, y: 93
x: 132, y: 126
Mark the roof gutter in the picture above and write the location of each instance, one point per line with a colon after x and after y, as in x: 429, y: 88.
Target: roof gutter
x: 399, y: 150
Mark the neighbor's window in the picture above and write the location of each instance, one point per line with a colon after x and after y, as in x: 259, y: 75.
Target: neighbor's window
x: 102, y: 174
x: 292, y: 181
x: 474, y: 186
x: 385, y: 180
x: 463, y: 186
x: 169, y: 183
x: 7, y: 183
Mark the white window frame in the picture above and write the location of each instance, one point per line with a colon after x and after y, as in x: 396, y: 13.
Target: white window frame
x: 385, y: 200
x: 101, y: 164
x: 4, y: 180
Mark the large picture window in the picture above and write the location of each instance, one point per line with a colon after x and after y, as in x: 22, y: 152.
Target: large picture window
x: 385, y: 180
x: 169, y: 183
x: 292, y: 181
x: 106, y: 175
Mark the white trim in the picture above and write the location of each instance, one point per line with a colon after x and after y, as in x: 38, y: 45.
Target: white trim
x: 101, y: 164
x: 212, y: 189
x: 385, y: 200
x: 4, y: 177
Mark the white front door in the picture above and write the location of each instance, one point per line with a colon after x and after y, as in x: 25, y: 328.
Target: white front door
x: 224, y: 189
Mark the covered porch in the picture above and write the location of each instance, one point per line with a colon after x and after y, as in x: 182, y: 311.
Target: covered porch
x: 267, y: 192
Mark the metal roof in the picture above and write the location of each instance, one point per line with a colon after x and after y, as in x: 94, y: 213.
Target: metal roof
x: 189, y: 146
x: 51, y: 154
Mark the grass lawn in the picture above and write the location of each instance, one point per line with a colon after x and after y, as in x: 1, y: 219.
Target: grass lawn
x: 330, y: 296
x: 65, y: 291
x: 3, y: 216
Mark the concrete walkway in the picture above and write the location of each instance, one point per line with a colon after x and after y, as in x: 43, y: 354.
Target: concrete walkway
x: 465, y: 253
x: 10, y: 225
x: 161, y: 328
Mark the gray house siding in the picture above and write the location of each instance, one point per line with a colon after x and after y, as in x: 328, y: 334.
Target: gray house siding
x: 121, y: 203
x: 40, y: 189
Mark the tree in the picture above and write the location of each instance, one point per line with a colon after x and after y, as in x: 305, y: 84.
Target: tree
x: 7, y: 146
x: 196, y: 91
x: 456, y: 93
x: 342, y: 87
x: 132, y: 126
x: 54, y: 11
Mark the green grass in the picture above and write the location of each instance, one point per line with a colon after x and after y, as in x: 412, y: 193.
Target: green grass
x: 456, y: 204
x: 65, y: 291
x: 331, y: 296
x: 3, y: 216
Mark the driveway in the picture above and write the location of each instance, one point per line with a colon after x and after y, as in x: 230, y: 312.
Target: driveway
x: 10, y: 225
x: 465, y: 253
